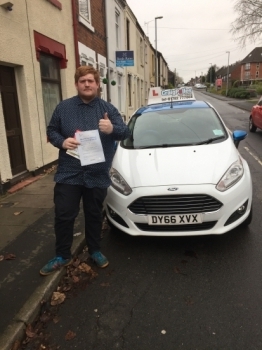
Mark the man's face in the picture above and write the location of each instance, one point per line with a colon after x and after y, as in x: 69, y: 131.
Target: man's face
x: 87, y: 87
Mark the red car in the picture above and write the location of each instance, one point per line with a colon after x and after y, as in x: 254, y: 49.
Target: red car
x: 255, y: 119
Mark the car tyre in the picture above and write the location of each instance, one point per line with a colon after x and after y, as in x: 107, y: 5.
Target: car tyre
x: 252, y: 127
x: 248, y: 219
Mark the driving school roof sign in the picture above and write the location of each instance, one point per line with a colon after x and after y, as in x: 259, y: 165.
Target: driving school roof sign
x: 124, y: 58
x: 157, y: 95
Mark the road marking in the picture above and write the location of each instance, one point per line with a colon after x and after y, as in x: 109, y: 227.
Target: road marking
x: 255, y: 157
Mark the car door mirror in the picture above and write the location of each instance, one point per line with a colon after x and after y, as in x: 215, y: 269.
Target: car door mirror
x: 239, y: 135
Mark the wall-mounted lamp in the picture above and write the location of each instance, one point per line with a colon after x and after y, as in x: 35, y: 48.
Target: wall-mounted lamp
x: 7, y: 5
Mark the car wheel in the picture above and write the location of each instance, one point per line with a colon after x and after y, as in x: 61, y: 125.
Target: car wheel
x: 248, y: 219
x: 252, y: 127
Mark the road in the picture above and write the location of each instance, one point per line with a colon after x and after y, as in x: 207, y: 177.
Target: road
x: 200, y: 293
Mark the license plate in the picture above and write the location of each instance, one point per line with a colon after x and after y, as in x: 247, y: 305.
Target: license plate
x: 180, y: 219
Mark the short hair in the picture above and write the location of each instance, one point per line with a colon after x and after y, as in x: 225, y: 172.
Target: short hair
x: 84, y: 70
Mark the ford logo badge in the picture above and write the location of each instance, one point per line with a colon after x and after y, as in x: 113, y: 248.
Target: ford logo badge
x: 172, y: 189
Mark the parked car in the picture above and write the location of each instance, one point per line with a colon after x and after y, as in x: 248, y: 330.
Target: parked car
x: 255, y: 119
x: 200, y: 86
x: 179, y: 173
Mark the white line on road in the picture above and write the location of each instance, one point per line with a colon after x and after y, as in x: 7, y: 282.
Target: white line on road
x: 255, y: 157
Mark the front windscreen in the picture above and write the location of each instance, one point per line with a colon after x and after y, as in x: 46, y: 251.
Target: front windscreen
x: 175, y: 127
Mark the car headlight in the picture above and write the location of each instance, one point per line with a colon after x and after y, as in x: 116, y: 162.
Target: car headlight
x: 231, y: 177
x: 119, y: 183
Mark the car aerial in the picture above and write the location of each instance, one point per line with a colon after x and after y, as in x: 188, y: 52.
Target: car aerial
x: 255, y: 119
x: 179, y: 173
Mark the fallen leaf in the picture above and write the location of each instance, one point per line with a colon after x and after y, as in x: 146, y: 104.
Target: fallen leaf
x: 1, y: 257
x: 104, y: 284
x: 85, y: 268
x: 18, y: 213
x: 16, y: 345
x: 163, y: 331
x: 56, y: 319
x: 75, y: 279
x: 76, y: 263
x: 10, y: 256
x: 57, y: 298
x: 29, y: 331
x: 66, y: 288
x: 70, y: 335
x: 44, y: 317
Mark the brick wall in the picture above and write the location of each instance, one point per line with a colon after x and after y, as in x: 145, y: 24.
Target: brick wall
x: 94, y: 40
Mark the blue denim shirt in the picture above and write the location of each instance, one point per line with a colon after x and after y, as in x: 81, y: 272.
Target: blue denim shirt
x: 71, y: 115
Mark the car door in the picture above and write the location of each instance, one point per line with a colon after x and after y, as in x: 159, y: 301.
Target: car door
x: 258, y: 114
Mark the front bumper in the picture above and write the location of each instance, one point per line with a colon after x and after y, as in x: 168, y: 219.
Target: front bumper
x: 214, y: 222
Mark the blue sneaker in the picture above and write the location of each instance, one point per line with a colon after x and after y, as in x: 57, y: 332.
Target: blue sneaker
x: 54, y: 265
x: 99, y: 259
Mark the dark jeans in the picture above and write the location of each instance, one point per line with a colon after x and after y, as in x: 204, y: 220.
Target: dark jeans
x: 67, y: 202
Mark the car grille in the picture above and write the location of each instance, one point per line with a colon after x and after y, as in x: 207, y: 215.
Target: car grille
x: 175, y: 204
x: 169, y: 228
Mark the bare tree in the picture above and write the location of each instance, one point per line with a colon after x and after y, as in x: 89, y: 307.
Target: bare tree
x: 248, y: 25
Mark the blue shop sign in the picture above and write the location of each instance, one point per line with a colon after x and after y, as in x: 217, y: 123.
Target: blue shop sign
x: 124, y: 58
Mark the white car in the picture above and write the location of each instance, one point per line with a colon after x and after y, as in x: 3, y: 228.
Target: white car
x: 179, y: 173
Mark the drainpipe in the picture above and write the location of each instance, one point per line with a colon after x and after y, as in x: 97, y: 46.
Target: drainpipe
x: 74, y: 14
x: 107, y: 54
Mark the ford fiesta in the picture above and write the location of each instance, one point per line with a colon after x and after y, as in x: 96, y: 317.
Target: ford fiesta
x: 179, y: 173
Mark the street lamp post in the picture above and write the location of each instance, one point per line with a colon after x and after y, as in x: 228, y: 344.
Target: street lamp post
x: 228, y: 52
x: 156, y: 67
x: 210, y: 75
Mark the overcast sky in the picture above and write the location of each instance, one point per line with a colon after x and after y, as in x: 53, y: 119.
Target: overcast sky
x: 192, y: 33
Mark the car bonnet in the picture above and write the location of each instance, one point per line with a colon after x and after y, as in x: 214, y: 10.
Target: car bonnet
x: 192, y: 165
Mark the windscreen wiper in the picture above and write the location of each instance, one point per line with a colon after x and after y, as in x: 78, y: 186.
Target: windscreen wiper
x: 210, y: 140
x: 164, y: 145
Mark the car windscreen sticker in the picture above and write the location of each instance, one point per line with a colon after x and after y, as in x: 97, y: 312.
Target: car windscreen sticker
x: 218, y: 132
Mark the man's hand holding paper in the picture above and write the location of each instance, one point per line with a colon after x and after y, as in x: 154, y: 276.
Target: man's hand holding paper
x: 90, y: 147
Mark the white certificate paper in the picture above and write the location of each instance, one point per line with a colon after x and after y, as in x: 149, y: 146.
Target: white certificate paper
x: 90, y: 149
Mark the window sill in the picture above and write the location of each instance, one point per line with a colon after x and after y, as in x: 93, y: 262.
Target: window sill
x: 56, y: 3
x: 86, y: 23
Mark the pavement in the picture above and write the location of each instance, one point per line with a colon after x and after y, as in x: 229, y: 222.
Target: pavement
x: 27, y: 242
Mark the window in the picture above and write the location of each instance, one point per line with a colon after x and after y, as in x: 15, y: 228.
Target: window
x: 85, y: 13
x: 247, y: 75
x: 174, y: 127
x: 127, y: 34
x: 117, y: 19
x: 257, y: 65
x: 84, y: 9
x: 142, y: 92
x: 247, y: 66
x: 51, y: 84
x: 102, y: 70
x: 129, y: 90
x: 145, y: 53
x: 119, y: 92
x: 257, y: 74
x: 141, y: 51
x: 138, y: 93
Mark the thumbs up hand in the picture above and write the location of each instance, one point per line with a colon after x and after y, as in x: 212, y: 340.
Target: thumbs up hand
x: 105, y: 125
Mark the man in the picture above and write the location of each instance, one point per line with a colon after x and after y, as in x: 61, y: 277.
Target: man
x: 83, y: 112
